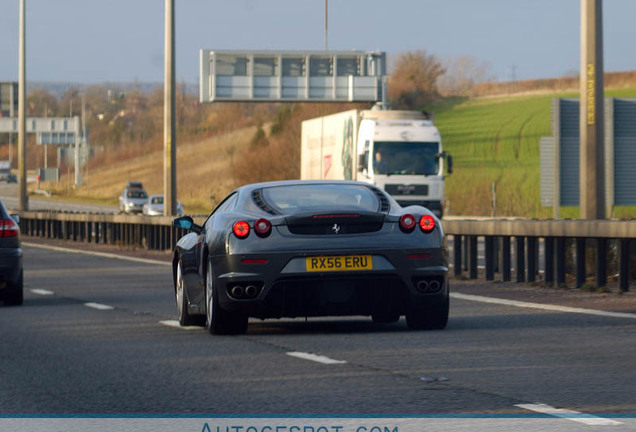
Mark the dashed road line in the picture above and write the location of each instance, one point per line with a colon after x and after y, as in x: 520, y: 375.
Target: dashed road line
x: 576, y: 416
x: 98, y: 306
x: 175, y: 324
x: 315, y: 358
x: 548, y: 307
x: 98, y: 254
x: 42, y: 292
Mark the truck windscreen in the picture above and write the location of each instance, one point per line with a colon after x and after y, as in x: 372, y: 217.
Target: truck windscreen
x: 414, y: 158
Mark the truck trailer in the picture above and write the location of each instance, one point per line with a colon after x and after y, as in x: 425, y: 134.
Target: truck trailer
x: 398, y: 151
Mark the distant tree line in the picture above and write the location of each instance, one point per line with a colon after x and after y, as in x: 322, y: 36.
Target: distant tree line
x: 124, y: 123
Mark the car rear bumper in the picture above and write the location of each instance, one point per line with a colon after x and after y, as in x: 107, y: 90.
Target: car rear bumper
x: 283, y: 287
x: 10, y: 267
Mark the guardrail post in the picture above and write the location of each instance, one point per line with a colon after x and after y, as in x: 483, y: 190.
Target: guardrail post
x: 581, y: 271
x: 497, y: 254
x: 155, y: 236
x: 473, y: 257
x: 490, y: 257
x: 532, y: 259
x: 560, y: 261
x: 505, y: 259
x: 548, y: 264
x: 457, y: 254
x: 520, y: 258
x: 466, y: 250
x: 624, y: 265
x: 601, y: 262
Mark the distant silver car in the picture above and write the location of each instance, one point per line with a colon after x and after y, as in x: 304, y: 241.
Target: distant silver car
x: 154, y: 206
x: 132, y: 200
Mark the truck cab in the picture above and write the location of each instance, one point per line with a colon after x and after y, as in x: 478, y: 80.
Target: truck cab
x: 401, y: 152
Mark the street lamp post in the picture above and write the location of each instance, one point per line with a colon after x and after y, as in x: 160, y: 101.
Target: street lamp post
x: 592, y: 136
x: 169, y: 123
x: 23, y: 201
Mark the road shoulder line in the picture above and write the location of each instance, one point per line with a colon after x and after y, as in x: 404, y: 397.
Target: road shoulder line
x: 98, y: 254
x: 548, y: 307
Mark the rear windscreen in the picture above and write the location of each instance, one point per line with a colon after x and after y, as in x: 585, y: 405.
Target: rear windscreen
x: 137, y: 194
x: 318, y: 197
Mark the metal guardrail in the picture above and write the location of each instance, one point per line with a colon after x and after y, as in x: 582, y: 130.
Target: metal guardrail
x: 560, y: 239
x: 146, y: 232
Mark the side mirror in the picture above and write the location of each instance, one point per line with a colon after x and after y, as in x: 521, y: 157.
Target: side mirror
x: 186, y: 223
x: 16, y: 218
x: 449, y: 160
x: 362, y: 161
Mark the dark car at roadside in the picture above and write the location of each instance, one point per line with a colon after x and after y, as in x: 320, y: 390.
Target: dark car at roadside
x: 11, y: 272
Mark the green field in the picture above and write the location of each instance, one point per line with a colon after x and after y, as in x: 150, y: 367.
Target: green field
x: 496, y: 140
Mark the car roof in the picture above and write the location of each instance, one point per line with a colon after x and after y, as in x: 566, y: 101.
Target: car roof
x: 254, y: 186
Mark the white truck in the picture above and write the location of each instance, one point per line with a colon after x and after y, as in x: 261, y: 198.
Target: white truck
x: 397, y: 151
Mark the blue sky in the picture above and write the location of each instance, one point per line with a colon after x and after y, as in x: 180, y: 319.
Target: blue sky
x: 122, y: 40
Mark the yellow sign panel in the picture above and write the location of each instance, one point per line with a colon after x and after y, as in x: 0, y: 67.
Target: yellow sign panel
x: 591, y: 95
x: 339, y: 263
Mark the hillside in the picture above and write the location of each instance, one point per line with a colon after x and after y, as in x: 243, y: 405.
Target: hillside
x: 492, y: 139
x: 496, y: 140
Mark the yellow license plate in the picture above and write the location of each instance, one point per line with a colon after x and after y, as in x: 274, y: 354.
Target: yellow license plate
x: 339, y: 263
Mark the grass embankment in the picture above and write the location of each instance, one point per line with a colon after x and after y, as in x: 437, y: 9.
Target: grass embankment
x: 496, y: 140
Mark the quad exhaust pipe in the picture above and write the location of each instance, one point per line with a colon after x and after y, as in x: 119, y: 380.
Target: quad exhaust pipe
x: 237, y: 291
x: 422, y: 286
x: 251, y: 291
x: 432, y: 286
x: 244, y: 292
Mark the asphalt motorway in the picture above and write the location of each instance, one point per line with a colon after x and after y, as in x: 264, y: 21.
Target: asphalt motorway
x: 94, y: 336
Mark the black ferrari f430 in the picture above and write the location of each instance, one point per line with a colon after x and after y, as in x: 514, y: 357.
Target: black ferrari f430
x: 307, y: 249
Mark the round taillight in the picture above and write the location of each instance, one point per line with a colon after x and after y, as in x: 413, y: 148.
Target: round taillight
x: 427, y: 223
x: 241, y: 229
x: 407, y: 222
x: 262, y: 227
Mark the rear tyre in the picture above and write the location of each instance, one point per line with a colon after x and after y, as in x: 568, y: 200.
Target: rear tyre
x: 219, y: 321
x: 181, y: 296
x: 431, y: 317
x: 385, y: 318
x: 15, y: 297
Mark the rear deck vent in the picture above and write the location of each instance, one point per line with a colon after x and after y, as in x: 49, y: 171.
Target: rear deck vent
x: 385, y: 205
x: 257, y: 197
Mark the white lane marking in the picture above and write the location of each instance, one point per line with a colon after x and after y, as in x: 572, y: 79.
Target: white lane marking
x: 548, y: 307
x: 576, y: 416
x: 99, y: 254
x: 175, y: 324
x: 314, y: 357
x: 98, y: 306
x: 42, y: 292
